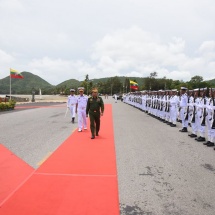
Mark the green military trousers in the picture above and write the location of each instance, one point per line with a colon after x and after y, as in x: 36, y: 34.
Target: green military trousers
x: 94, y: 122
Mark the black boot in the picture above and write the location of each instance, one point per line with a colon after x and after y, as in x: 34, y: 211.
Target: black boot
x: 183, y: 129
x: 201, y: 139
x: 193, y: 135
x: 210, y: 144
x: 206, y: 143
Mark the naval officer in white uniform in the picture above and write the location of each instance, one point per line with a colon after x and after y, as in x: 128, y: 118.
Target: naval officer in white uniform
x: 183, y: 109
x: 71, y: 104
x: 81, y: 109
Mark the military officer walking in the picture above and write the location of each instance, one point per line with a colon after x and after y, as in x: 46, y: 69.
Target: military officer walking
x: 95, y: 108
x: 81, y: 109
x: 71, y: 104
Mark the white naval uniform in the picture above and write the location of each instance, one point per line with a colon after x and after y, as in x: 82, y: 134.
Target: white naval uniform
x: 209, y: 117
x: 200, y: 109
x: 71, y: 104
x: 194, y: 124
x: 173, y: 108
x: 82, y: 104
x: 212, y: 129
x: 183, y: 106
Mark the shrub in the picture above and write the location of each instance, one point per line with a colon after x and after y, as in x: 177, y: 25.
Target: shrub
x: 7, y: 105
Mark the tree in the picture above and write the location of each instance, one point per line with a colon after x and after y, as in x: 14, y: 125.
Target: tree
x: 195, y: 82
x: 153, y: 74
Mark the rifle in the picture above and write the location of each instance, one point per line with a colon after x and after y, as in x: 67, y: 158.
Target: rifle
x: 213, y: 123
x: 194, y: 112
x: 168, y: 104
x: 204, y: 114
x: 186, y: 118
x: 161, y: 103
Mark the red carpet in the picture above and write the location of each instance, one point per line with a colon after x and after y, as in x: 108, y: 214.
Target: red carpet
x: 79, y: 178
x: 13, y: 172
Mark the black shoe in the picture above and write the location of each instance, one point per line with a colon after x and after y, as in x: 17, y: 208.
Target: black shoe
x: 73, y: 119
x: 197, y: 138
x: 97, y: 134
x: 210, y: 144
x: 173, y: 125
x: 193, y: 135
x: 206, y: 143
x: 183, y: 130
x: 93, y: 137
x: 201, y: 139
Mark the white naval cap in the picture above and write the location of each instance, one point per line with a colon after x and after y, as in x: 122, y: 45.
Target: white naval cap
x: 81, y: 88
x: 72, y: 90
x: 197, y: 89
x: 174, y: 90
x: 183, y: 88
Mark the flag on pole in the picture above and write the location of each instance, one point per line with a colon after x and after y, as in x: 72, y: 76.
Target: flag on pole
x: 133, y: 85
x: 15, y: 74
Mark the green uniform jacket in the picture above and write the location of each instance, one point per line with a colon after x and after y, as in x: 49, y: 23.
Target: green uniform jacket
x: 94, y: 105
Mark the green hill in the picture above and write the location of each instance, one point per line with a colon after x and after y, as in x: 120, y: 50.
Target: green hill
x: 24, y: 86
x: 71, y: 83
x: 106, y: 85
x: 211, y: 82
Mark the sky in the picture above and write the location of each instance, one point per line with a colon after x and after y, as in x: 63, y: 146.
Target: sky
x: 67, y: 39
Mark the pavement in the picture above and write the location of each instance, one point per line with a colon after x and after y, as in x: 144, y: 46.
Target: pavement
x: 161, y: 171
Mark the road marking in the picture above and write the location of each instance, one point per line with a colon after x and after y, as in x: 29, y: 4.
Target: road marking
x: 44, y: 159
x: 75, y: 175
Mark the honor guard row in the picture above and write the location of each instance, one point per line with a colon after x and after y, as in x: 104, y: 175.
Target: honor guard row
x: 195, y: 108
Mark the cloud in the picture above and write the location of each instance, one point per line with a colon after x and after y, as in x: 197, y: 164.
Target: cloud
x: 65, y: 39
x: 59, y: 70
x: 134, y: 49
x: 127, y: 52
x: 5, y: 58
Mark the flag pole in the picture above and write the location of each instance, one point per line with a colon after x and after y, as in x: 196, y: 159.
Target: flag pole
x: 10, y: 87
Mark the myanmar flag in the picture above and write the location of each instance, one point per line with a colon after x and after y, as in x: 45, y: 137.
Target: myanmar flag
x: 15, y: 74
x: 133, y: 85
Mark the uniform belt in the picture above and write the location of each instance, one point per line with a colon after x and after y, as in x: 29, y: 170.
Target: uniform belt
x: 95, y: 111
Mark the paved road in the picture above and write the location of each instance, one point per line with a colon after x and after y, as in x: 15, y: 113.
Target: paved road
x: 34, y: 133
x: 160, y: 170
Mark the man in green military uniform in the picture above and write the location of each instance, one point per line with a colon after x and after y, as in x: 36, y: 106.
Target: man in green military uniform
x: 95, y: 108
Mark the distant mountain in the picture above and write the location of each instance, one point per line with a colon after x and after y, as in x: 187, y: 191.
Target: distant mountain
x: 121, y: 78
x: 211, y: 82
x: 34, y: 82
x: 24, y: 86
x: 71, y: 83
